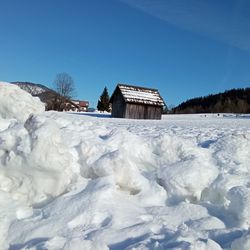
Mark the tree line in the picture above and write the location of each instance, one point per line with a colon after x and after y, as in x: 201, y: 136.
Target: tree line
x: 231, y: 101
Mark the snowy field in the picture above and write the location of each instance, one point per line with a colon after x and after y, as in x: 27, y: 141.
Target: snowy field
x: 87, y: 181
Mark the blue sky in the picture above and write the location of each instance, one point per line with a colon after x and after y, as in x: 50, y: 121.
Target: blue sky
x: 184, y: 48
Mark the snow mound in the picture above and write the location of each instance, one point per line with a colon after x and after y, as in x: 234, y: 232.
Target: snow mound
x: 115, y: 157
x: 231, y: 155
x: 239, y: 206
x: 182, y: 162
x: 17, y: 103
x: 242, y: 243
x: 34, y: 166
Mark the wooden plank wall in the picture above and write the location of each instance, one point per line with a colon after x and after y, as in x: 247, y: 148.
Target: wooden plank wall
x: 153, y: 112
x: 139, y: 111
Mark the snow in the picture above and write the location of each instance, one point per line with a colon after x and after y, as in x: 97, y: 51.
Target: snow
x: 141, y: 95
x: 12, y: 106
x: 32, y: 88
x: 88, y: 181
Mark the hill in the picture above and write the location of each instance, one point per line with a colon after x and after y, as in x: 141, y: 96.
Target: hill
x: 231, y: 101
x: 45, y: 94
x: 33, y: 88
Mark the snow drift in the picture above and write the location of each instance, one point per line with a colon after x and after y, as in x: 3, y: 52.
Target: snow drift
x: 17, y: 104
x: 75, y: 181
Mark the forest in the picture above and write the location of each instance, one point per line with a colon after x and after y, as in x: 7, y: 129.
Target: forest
x: 230, y: 101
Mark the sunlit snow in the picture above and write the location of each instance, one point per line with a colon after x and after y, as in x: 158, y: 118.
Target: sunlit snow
x: 88, y: 181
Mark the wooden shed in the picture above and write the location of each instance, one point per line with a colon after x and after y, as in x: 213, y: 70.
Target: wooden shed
x: 136, y: 102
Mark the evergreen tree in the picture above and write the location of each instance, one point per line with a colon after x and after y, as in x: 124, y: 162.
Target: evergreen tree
x: 103, y: 102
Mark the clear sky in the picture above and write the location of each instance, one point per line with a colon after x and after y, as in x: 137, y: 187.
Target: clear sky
x: 183, y: 48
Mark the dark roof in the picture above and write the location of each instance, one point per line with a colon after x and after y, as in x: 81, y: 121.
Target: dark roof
x: 140, y: 95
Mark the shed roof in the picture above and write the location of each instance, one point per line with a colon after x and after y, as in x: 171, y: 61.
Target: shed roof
x: 140, y: 95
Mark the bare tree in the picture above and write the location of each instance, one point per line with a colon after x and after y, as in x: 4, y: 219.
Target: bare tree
x: 64, y: 86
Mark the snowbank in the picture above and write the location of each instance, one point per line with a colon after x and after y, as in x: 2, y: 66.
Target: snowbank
x: 35, y: 165
x: 16, y: 103
x: 34, y: 161
x: 239, y: 205
x: 74, y: 181
x: 182, y: 162
x: 242, y: 243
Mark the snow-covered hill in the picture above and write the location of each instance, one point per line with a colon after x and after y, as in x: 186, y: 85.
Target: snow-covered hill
x: 82, y: 181
x: 32, y: 88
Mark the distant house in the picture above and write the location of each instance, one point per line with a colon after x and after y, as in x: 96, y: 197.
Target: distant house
x: 83, y: 105
x: 77, y: 105
x: 136, y: 102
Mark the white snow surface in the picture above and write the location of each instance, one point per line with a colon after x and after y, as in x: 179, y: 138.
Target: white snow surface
x: 15, y: 103
x: 88, y: 181
x: 141, y: 95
